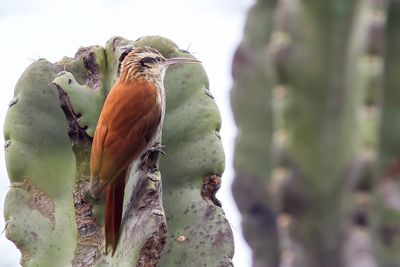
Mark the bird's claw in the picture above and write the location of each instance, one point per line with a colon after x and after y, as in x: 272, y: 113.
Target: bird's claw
x: 157, y: 148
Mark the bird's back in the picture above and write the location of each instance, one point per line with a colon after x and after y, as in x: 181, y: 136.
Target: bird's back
x: 128, y: 123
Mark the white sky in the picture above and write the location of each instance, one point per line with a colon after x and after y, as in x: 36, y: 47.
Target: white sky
x: 51, y: 29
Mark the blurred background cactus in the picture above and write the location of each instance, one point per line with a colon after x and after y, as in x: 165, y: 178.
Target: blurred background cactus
x: 315, y: 99
x: 48, y: 132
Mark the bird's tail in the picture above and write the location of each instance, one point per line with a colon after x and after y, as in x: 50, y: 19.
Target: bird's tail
x: 113, y: 212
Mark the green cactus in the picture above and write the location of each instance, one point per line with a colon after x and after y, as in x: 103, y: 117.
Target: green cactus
x: 299, y: 146
x: 49, y: 214
x: 387, y: 208
x: 39, y: 209
x: 252, y: 106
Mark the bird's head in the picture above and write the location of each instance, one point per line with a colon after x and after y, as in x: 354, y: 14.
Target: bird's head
x: 146, y: 63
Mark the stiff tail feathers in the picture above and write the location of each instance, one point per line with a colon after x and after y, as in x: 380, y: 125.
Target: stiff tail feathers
x: 113, y: 212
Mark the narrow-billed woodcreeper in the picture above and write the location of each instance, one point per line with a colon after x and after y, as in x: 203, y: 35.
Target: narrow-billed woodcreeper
x: 129, y: 124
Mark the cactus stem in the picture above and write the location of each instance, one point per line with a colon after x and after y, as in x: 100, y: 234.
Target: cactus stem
x: 144, y: 208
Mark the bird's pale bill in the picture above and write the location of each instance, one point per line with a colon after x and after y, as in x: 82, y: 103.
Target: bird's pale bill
x: 181, y: 60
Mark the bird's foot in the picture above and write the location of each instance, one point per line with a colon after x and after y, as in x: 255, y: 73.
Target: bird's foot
x: 158, y: 147
x: 149, y: 157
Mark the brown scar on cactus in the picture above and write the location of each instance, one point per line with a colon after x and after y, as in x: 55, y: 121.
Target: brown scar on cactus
x: 76, y: 133
x: 93, y: 76
x: 39, y: 200
x: 211, y: 185
x: 151, y: 252
x: 90, y: 243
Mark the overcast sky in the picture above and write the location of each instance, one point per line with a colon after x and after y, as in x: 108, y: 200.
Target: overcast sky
x: 55, y: 28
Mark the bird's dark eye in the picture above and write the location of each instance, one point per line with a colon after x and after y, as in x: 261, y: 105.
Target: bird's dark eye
x: 158, y: 59
x: 145, y: 61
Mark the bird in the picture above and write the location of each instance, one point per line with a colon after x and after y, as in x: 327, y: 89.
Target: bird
x: 129, y: 124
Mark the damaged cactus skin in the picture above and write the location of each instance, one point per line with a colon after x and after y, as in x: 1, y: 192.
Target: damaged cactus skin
x: 48, y: 132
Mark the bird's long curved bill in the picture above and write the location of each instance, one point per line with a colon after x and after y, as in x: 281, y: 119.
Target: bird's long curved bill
x: 180, y: 60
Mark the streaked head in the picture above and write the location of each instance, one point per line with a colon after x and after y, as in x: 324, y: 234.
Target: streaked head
x: 147, y: 63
